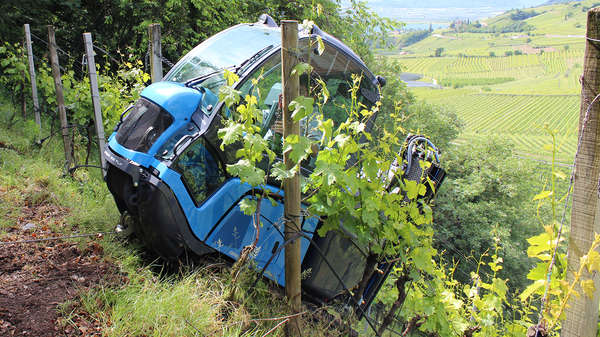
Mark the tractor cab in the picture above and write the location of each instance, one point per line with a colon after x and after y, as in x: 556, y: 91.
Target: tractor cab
x: 166, y: 169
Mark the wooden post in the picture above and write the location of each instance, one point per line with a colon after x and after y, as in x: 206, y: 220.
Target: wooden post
x: 291, y: 186
x: 60, y: 99
x: 155, y: 52
x: 34, y: 93
x: 582, y: 313
x: 22, y: 91
x: 89, y: 52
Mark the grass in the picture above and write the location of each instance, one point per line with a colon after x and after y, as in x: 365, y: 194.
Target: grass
x: 156, y: 300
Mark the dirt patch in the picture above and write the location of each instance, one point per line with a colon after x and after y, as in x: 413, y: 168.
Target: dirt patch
x: 527, y: 49
x: 36, y: 277
x: 7, y: 146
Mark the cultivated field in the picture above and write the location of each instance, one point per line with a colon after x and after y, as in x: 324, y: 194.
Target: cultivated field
x: 511, y: 84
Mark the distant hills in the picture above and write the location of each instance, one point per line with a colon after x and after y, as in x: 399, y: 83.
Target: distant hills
x: 554, y: 2
x: 437, y: 11
x: 500, y: 4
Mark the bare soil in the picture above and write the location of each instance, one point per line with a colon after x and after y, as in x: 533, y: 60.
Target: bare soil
x: 36, y: 277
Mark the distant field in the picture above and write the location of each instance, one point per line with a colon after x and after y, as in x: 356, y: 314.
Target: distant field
x: 509, y: 84
x: 520, y: 118
x: 562, y: 68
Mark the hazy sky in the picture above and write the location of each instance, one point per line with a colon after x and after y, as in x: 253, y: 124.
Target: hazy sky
x: 425, y: 11
x: 505, y: 4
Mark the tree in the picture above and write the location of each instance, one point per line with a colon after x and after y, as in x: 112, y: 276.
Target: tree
x: 120, y: 26
x: 486, y: 194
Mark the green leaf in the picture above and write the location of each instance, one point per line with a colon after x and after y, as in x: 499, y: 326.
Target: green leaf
x: 301, y: 107
x: 230, y: 133
x: 593, y: 261
x: 231, y: 77
x: 320, y: 45
x: 326, y: 127
x: 299, y: 147
x: 229, y: 95
x: 531, y: 289
x: 247, y: 172
x: 542, y: 195
x: 421, y: 258
x: 538, y: 244
x: 538, y: 273
x: 411, y: 189
x: 588, y: 287
x: 301, y: 68
x: 280, y: 173
x: 248, y: 206
x: 329, y: 170
x: 499, y: 287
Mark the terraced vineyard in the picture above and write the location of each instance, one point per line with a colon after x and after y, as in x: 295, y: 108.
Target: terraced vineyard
x: 520, y: 118
x: 517, y: 66
x: 518, y: 114
x: 508, y: 84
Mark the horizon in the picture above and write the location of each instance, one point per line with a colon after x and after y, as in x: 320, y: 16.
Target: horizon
x: 437, y: 11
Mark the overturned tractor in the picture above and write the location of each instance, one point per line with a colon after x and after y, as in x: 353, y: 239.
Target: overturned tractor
x: 167, y: 173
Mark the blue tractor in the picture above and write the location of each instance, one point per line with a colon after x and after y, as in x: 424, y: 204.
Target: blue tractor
x: 167, y: 172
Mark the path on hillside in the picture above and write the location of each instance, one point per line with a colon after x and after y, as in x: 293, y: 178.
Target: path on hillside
x: 38, y: 277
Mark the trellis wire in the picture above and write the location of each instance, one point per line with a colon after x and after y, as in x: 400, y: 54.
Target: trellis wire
x: 106, y: 53
x: 562, y: 222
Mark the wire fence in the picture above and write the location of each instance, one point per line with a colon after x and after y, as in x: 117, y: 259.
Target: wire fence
x: 69, y: 61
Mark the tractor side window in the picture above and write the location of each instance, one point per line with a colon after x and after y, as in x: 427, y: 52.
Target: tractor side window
x: 265, y: 84
x: 200, y: 170
x: 335, y: 69
x: 266, y: 89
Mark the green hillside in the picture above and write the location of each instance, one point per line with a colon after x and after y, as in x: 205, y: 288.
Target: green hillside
x: 510, y: 83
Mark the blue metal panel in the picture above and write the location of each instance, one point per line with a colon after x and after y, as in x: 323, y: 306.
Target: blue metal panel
x: 179, y: 100
x: 203, y: 218
x: 237, y: 231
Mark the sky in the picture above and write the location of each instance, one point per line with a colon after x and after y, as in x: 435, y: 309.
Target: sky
x: 503, y: 4
x: 445, y: 10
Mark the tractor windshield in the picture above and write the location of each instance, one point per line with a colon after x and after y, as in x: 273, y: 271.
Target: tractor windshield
x: 229, y: 48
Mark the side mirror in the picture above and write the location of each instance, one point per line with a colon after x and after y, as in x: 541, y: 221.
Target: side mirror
x: 418, y: 148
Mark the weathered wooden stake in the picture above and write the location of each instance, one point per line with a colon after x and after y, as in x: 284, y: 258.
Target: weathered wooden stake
x: 582, y: 314
x: 291, y: 186
x: 34, y: 93
x: 60, y: 99
x: 155, y: 52
x: 89, y: 52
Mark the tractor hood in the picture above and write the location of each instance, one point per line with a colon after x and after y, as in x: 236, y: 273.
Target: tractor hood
x: 166, y: 113
x: 178, y: 100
